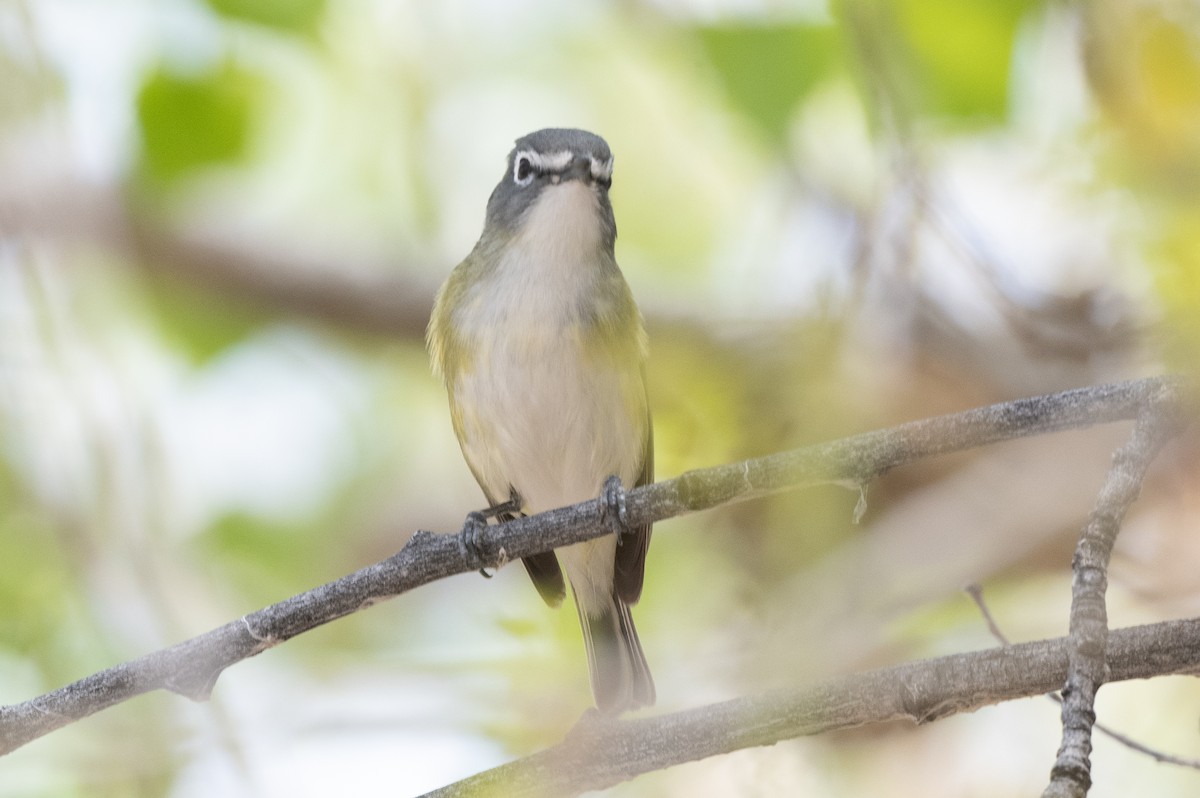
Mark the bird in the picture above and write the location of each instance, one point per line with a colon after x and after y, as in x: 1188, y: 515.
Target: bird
x: 542, y: 349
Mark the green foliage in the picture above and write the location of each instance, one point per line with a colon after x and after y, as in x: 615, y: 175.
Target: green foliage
x: 267, y: 560
x: 1177, y: 279
x: 43, y: 605
x: 961, y: 53
x: 1144, y: 66
x: 189, y: 122
x: 954, y: 59
x: 199, y: 323
x: 767, y: 69
x: 34, y: 594
x: 291, y: 16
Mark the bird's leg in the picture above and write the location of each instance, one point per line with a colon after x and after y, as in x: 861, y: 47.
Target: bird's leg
x: 509, y: 508
x: 612, y: 499
x: 478, y: 520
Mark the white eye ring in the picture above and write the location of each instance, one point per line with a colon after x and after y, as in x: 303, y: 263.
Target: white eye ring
x: 523, y: 169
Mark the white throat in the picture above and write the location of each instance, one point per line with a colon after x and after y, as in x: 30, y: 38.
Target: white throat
x: 561, y: 230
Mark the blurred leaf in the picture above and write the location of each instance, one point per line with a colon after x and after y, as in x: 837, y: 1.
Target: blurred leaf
x: 35, y: 584
x: 292, y: 16
x: 962, y: 51
x: 1144, y: 66
x: 266, y: 560
x: 202, y: 324
x: 1169, y: 66
x: 767, y: 69
x: 1177, y: 273
x: 270, y: 558
x: 190, y: 122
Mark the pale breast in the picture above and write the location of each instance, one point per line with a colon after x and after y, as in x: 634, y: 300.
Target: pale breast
x: 542, y: 407
x: 540, y: 415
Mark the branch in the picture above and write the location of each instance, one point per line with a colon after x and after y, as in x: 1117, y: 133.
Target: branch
x: 599, y: 753
x: 976, y: 594
x: 1071, y: 775
x: 191, y: 668
x: 352, y: 290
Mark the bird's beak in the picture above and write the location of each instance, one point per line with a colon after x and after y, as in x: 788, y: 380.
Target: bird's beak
x: 579, y: 169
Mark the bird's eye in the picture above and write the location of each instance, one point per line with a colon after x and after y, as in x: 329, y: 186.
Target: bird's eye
x: 523, y: 171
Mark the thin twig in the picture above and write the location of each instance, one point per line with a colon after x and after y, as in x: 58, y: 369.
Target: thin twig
x: 191, y: 668
x: 976, y: 594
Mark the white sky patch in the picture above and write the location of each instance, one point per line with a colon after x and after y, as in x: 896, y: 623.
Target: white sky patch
x: 263, y: 429
x: 340, y: 740
x: 715, y: 11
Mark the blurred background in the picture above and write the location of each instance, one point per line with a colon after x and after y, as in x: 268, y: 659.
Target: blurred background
x: 221, y: 226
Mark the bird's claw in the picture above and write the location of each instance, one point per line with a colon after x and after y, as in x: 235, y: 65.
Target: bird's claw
x: 472, y: 539
x: 477, y: 521
x: 615, y: 513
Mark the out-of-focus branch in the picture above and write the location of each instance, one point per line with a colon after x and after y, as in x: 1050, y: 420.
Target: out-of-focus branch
x: 353, y: 291
x: 1071, y: 775
x: 191, y: 668
x: 599, y: 754
x: 348, y: 292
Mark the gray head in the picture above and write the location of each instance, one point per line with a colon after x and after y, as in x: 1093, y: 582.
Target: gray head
x: 549, y: 158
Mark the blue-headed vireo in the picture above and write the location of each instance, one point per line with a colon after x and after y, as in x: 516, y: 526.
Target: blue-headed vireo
x: 542, y: 350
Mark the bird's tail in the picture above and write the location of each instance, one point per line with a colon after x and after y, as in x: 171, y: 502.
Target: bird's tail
x: 621, y: 678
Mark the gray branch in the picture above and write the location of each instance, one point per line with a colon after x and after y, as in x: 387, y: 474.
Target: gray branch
x: 1071, y: 775
x: 191, y: 668
x: 357, y: 291
x: 600, y: 753
x: 976, y: 594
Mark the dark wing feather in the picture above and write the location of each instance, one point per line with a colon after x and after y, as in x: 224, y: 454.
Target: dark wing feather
x: 547, y: 577
x: 630, y: 566
x: 543, y: 568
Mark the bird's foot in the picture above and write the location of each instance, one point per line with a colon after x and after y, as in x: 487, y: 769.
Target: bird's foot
x: 504, y: 510
x: 476, y: 523
x: 472, y: 539
x: 612, y: 499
